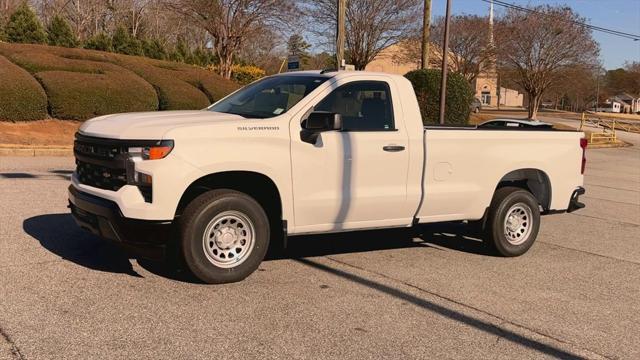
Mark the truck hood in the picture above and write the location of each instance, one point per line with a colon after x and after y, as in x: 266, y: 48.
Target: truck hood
x: 149, y: 125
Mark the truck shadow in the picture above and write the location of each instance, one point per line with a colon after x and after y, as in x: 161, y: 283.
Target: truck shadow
x: 59, y: 234
x: 448, y: 236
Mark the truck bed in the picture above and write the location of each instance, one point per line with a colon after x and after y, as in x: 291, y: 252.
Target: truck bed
x: 463, y: 168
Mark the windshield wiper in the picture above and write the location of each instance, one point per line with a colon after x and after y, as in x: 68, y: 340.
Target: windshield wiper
x: 247, y: 115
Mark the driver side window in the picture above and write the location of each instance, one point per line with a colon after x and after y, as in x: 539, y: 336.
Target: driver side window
x: 363, y: 105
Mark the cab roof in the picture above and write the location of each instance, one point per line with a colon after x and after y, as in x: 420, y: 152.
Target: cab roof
x: 333, y: 73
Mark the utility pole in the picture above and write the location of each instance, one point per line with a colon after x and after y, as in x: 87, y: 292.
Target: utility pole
x: 340, y: 30
x: 426, y: 25
x: 595, y: 109
x: 445, y: 56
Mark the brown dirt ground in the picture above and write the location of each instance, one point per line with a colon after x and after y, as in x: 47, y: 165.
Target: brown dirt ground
x: 50, y: 132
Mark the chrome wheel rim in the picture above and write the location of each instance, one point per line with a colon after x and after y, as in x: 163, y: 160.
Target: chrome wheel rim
x: 518, y: 223
x: 228, y: 239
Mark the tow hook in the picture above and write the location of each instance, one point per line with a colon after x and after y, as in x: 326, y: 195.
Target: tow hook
x: 575, y: 204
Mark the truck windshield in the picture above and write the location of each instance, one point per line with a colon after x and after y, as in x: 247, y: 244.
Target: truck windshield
x: 269, y: 97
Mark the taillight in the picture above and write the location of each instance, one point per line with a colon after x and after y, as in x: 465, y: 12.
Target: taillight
x: 583, y: 145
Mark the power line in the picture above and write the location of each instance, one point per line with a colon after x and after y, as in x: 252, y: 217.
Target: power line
x: 586, y: 25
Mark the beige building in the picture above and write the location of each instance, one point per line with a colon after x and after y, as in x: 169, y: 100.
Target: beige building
x: 398, y: 59
x: 395, y: 59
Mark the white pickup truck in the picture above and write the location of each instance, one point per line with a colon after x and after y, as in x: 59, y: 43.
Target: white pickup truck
x: 311, y: 152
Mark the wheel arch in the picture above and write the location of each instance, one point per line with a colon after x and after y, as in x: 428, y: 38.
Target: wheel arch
x: 533, y: 180
x: 257, y: 185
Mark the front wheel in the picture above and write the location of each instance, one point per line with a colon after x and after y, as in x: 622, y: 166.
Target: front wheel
x: 513, y: 221
x: 224, y: 236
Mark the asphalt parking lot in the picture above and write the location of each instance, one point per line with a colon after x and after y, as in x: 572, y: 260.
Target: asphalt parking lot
x: 383, y: 294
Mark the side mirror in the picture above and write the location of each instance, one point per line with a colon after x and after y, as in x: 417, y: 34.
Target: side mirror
x: 317, y: 122
x: 323, y: 121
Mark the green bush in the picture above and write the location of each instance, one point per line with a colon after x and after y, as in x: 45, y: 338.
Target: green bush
x: 426, y: 84
x: 80, y: 96
x: 83, y: 83
x: 124, y: 43
x: 154, y: 49
x: 202, y: 57
x: 100, y: 41
x: 60, y: 34
x: 3, y: 34
x: 173, y: 92
x: 25, y: 27
x: 182, y: 53
x: 21, y: 97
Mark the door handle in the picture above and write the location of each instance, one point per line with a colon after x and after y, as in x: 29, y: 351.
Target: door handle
x: 393, y: 148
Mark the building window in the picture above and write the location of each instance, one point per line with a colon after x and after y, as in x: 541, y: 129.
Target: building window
x: 486, y: 98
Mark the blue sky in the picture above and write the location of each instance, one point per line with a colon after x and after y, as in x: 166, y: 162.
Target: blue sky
x: 621, y: 15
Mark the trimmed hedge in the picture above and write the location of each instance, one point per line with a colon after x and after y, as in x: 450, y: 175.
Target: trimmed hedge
x: 173, y: 92
x: 426, y: 84
x: 80, y: 85
x: 21, y: 97
x: 81, y: 96
x: 85, y: 83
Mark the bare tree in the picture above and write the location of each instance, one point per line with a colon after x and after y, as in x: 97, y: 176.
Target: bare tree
x: 469, y: 46
x: 130, y: 13
x: 372, y: 25
x: 264, y: 51
x: 232, y: 22
x: 7, y: 7
x: 469, y: 43
x: 536, y: 46
x: 575, y: 88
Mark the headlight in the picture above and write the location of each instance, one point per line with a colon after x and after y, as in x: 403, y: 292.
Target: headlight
x: 155, y: 152
x: 144, y: 182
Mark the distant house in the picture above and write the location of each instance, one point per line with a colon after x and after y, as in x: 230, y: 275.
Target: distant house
x: 630, y: 104
x: 610, y: 105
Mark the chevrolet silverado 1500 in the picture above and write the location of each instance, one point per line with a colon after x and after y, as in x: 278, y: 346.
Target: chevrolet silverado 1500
x: 311, y: 152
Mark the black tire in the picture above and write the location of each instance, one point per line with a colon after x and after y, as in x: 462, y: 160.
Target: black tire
x: 512, y: 238
x: 197, y: 218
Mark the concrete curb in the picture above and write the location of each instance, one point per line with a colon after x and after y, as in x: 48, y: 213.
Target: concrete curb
x: 36, y: 151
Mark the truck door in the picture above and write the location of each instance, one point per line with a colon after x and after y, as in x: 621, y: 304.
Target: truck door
x: 356, y: 177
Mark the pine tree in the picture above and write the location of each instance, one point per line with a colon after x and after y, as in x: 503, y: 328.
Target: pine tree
x: 100, y: 42
x: 3, y: 35
x: 299, y: 47
x: 24, y: 27
x: 60, y: 34
x: 124, y: 43
x: 182, y: 52
x: 202, y: 57
x: 154, y: 49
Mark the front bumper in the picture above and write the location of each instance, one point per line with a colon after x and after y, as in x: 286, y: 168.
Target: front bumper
x: 146, y: 238
x: 574, y: 203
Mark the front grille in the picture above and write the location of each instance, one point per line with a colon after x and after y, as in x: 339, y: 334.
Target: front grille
x: 101, y: 177
x: 102, y: 163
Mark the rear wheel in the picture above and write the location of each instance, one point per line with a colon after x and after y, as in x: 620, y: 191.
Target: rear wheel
x: 513, y: 221
x: 224, y: 236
